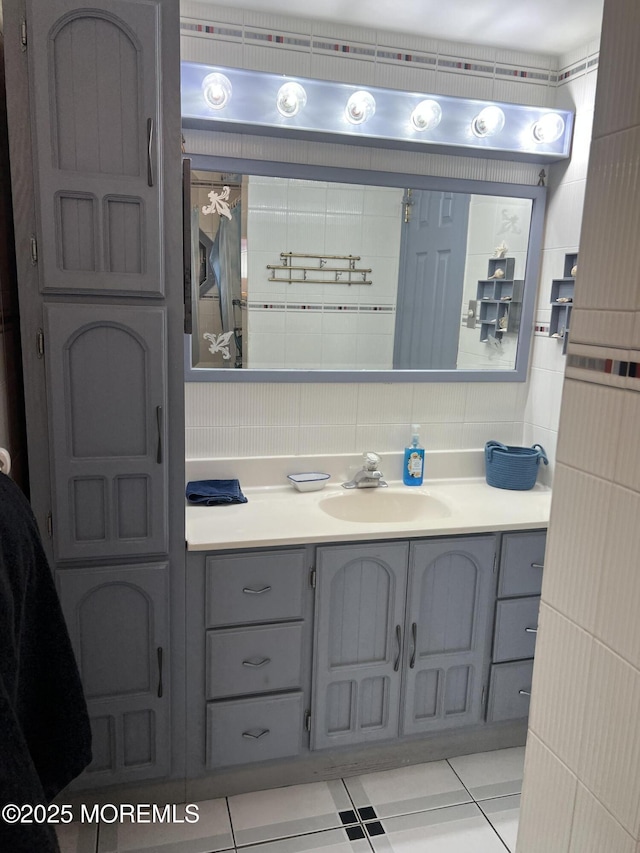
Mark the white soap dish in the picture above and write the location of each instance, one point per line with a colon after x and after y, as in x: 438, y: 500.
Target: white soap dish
x: 311, y: 481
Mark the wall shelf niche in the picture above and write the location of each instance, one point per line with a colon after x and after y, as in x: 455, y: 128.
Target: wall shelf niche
x: 562, y: 301
x: 500, y: 299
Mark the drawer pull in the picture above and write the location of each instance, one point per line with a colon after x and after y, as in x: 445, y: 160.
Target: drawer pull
x: 257, y: 663
x: 414, y: 639
x: 250, y: 591
x: 251, y: 736
x: 396, y: 665
x: 531, y: 630
x: 524, y: 692
x: 537, y: 565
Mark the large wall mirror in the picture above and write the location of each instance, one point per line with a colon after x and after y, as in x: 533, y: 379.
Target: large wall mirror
x: 327, y: 274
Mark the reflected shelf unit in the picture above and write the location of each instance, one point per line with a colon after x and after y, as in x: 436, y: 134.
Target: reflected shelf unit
x: 562, y: 301
x: 500, y: 299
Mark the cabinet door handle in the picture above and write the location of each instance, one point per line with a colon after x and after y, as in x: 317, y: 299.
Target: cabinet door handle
x: 160, y: 690
x: 537, y: 565
x: 159, y: 426
x: 396, y: 665
x: 251, y: 736
x: 414, y: 640
x: 250, y: 591
x: 256, y: 664
x: 531, y: 630
x: 524, y: 692
x: 150, y: 152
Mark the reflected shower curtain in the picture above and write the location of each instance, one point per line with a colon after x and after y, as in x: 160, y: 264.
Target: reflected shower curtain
x: 225, y: 262
x: 195, y: 286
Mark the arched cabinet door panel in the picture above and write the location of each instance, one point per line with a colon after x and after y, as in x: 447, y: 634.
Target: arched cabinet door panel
x: 451, y: 590
x: 118, y: 620
x: 107, y: 406
x: 360, y: 598
x: 96, y: 99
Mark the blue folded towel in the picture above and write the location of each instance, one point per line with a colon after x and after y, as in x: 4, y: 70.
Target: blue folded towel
x: 214, y: 492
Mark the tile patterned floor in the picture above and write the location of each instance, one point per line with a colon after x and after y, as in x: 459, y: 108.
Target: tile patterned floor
x: 468, y: 804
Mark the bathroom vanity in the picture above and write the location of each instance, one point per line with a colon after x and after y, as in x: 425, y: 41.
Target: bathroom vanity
x: 348, y: 642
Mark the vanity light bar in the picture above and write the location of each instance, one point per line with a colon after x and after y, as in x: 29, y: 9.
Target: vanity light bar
x: 237, y: 100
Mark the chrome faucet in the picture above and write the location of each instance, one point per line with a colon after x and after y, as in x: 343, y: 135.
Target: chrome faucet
x: 369, y: 476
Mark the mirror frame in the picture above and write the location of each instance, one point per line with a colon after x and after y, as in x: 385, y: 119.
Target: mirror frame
x: 537, y: 194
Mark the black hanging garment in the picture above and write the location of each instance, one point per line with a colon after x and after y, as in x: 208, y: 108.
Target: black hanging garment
x: 45, y: 738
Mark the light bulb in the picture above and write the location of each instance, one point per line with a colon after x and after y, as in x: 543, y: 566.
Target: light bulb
x: 426, y: 115
x: 360, y: 107
x: 216, y: 89
x: 488, y: 122
x: 291, y: 98
x: 549, y: 128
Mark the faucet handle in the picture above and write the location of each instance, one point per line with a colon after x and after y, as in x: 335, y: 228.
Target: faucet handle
x: 372, y: 460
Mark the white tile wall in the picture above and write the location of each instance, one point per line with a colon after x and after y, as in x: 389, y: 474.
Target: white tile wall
x: 590, y: 593
x: 595, y: 829
x: 555, y: 799
x: 564, y: 684
x: 432, y: 75
x: 314, y: 418
x: 610, y: 750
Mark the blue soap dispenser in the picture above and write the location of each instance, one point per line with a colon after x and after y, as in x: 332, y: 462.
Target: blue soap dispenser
x: 413, y: 468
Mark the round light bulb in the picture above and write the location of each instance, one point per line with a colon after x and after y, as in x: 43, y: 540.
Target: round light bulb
x: 488, y: 122
x: 216, y: 89
x: 291, y: 98
x: 426, y: 115
x: 360, y: 107
x: 549, y: 128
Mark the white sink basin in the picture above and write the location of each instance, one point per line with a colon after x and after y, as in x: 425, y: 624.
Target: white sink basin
x: 379, y: 505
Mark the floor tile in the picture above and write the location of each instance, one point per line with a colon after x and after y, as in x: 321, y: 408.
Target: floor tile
x: 329, y: 841
x: 283, y: 812
x: 457, y: 829
x: 77, y: 837
x: 211, y: 833
x: 408, y: 789
x: 491, y: 774
x: 503, y: 814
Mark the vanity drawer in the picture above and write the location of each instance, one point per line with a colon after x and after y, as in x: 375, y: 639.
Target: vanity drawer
x: 253, y: 660
x: 256, y: 587
x: 248, y: 730
x: 509, y: 693
x: 516, y: 627
x: 521, y: 563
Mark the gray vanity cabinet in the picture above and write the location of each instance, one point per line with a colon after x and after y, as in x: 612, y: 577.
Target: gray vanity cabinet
x: 516, y: 624
x: 449, y: 603
x: 360, y: 600
x: 381, y: 670
x: 96, y: 99
x: 118, y: 620
x: 107, y: 405
x: 256, y: 655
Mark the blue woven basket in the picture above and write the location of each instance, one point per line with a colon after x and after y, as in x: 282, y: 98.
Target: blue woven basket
x: 513, y: 467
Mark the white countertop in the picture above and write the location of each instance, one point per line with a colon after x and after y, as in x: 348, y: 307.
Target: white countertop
x: 280, y: 515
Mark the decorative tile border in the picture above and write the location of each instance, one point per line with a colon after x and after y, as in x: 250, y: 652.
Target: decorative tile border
x: 384, y: 53
x: 541, y: 329
x: 318, y: 308
x: 604, y: 366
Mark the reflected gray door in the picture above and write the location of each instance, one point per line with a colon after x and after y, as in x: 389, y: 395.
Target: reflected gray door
x: 451, y: 591
x: 360, y: 599
x: 119, y: 628
x: 106, y: 383
x: 431, y: 281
